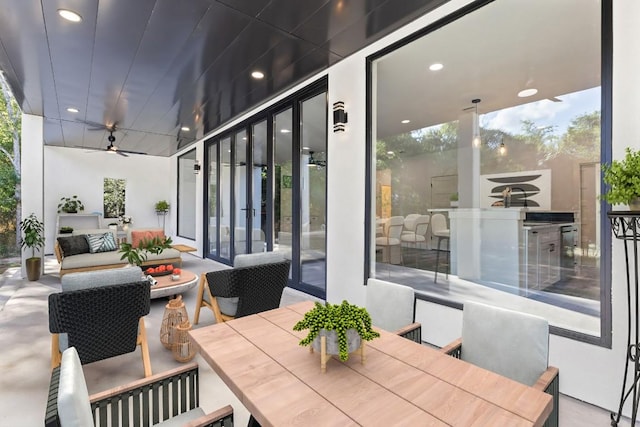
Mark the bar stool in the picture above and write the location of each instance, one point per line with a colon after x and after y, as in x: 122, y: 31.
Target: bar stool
x: 439, y: 229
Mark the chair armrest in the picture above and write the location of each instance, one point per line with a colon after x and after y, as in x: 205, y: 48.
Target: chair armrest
x: 224, y: 415
x: 453, y: 348
x: 546, y: 378
x: 412, y: 332
x: 58, y: 251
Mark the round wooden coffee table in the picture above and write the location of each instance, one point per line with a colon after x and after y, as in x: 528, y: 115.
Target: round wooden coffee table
x: 167, y: 287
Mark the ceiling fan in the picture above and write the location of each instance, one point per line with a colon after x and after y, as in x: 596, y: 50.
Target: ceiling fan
x: 113, y: 149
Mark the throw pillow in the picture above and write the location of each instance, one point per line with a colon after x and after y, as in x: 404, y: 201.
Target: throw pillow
x: 73, y: 245
x: 101, y: 242
x: 139, y: 236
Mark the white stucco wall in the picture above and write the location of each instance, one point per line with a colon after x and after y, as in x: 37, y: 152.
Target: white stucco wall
x: 69, y: 171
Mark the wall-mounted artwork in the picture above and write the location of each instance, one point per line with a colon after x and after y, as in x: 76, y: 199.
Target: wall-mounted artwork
x: 114, y: 197
x: 530, y: 187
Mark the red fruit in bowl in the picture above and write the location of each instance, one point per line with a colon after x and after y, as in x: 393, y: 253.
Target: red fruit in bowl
x: 176, y: 271
x: 169, y: 267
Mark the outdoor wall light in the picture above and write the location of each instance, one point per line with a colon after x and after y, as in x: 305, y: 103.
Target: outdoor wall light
x: 502, y: 149
x: 339, y: 117
x: 196, y: 167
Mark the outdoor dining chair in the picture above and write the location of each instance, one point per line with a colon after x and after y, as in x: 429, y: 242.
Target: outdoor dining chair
x: 509, y: 343
x: 392, y: 308
x: 168, y: 399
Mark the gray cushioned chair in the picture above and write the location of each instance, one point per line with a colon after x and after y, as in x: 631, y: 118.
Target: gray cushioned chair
x: 229, y: 306
x: 392, y: 308
x: 101, y: 314
x: 510, y: 343
x: 169, y: 399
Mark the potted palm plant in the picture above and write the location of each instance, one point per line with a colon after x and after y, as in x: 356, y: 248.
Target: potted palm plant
x: 344, y: 325
x: 623, y: 178
x: 32, y: 237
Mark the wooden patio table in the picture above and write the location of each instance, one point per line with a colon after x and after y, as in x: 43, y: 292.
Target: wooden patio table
x: 401, y: 382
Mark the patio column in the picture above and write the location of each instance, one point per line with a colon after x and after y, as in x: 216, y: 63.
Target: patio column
x: 32, y: 173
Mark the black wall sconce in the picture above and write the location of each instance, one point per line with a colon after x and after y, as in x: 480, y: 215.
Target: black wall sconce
x: 196, y: 167
x: 339, y: 117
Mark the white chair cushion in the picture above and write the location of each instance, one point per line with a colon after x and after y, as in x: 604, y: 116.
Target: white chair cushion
x: 94, y: 279
x: 507, y: 342
x: 387, y: 241
x: 389, y: 304
x: 74, y: 408
x: 246, y: 260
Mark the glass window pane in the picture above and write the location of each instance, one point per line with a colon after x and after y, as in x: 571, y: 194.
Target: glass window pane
x: 283, y: 176
x: 213, y: 199
x: 513, y: 220
x: 240, y: 193
x: 225, y: 198
x: 260, y: 185
x: 313, y: 200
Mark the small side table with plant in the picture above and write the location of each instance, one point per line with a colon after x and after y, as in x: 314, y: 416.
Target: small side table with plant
x: 162, y: 208
x: 338, y: 329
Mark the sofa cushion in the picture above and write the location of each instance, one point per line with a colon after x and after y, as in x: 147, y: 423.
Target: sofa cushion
x: 73, y: 245
x: 91, y: 260
x: 103, y: 242
x: 138, y: 236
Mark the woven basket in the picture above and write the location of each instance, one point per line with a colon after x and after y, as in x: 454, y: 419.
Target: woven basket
x: 183, y: 349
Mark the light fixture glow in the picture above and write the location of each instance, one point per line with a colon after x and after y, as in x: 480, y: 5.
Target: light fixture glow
x: 503, y: 149
x: 285, y: 131
x: 257, y: 75
x: 436, y: 67
x: 405, y: 121
x: 69, y: 15
x: 391, y: 153
x: 72, y: 110
x: 476, y: 124
x: 185, y: 128
x: 527, y: 92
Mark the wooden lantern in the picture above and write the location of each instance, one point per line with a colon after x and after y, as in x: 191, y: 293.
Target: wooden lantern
x: 174, y: 314
x: 183, y: 349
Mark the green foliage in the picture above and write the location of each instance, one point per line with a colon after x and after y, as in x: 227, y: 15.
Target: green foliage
x: 339, y: 318
x: 113, y: 196
x: 66, y: 229
x: 32, y: 233
x: 70, y: 204
x: 623, y: 178
x: 137, y: 256
x: 162, y: 206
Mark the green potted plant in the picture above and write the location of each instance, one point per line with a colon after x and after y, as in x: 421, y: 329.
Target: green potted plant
x: 137, y: 256
x: 70, y: 204
x: 623, y: 179
x: 66, y: 230
x: 453, y: 200
x: 32, y: 237
x: 340, y: 318
x: 162, y: 207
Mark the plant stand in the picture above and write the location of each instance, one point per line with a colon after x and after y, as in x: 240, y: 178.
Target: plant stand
x: 626, y: 226
x: 326, y: 351
x: 164, y: 219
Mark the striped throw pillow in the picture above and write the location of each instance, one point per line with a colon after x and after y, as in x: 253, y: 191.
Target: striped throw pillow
x: 101, y: 242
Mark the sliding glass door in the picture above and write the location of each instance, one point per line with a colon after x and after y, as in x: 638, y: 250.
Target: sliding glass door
x: 267, y: 188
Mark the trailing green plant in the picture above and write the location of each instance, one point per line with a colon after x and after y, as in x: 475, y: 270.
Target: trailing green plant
x: 623, y: 178
x: 32, y: 233
x: 339, y: 318
x: 70, y: 204
x: 66, y: 230
x: 162, y: 206
x: 137, y: 256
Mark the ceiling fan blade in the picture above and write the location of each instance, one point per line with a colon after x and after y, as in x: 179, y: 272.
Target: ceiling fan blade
x: 121, y: 153
x: 132, y: 152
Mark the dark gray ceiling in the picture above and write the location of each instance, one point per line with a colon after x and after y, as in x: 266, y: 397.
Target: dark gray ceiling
x: 150, y: 67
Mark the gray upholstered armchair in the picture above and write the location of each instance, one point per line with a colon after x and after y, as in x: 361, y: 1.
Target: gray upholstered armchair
x: 510, y: 343
x: 168, y: 399
x: 392, y: 308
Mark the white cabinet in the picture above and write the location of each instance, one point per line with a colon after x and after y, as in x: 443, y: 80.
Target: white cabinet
x: 78, y: 221
x: 542, y: 257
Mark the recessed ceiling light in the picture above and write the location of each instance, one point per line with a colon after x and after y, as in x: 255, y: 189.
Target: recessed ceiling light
x: 72, y: 110
x: 405, y: 121
x: 527, y: 92
x: 257, y: 75
x: 390, y: 153
x: 285, y: 131
x: 69, y: 15
x: 185, y: 128
x: 436, y: 67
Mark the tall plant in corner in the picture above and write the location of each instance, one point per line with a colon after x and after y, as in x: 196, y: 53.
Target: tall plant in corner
x: 32, y: 237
